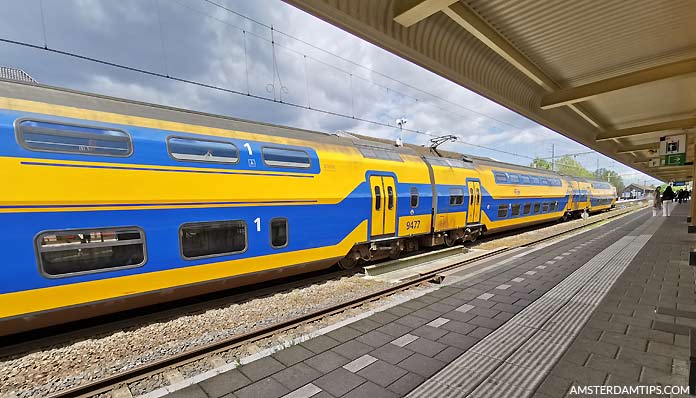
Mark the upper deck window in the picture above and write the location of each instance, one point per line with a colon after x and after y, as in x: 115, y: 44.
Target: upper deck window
x: 501, y: 177
x: 601, y: 185
x: 68, y: 138
x: 514, y: 178
x: 284, y: 157
x: 202, y: 150
x: 379, y: 153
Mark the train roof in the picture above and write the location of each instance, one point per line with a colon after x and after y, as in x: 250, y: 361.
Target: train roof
x: 104, y: 103
x: 32, y: 91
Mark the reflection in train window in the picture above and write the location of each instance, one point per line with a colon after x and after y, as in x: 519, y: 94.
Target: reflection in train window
x: 515, y: 210
x: 414, y: 197
x: 279, y: 232
x: 211, y: 239
x: 68, y: 138
x: 283, y: 157
x: 456, y: 196
x: 202, y: 150
x: 76, y: 252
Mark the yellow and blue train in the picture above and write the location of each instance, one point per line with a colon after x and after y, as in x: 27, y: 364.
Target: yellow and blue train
x: 109, y: 204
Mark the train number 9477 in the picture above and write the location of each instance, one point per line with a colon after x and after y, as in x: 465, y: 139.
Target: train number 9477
x: 412, y: 224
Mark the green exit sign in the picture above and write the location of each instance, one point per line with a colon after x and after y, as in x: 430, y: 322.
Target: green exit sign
x: 677, y: 159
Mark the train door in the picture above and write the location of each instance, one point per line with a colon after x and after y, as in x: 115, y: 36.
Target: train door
x: 383, y: 205
x: 474, y: 214
x: 574, y: 195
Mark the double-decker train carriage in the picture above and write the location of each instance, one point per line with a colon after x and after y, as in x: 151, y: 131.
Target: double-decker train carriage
x: 114, y: 204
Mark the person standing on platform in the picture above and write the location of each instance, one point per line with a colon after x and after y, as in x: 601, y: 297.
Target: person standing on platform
x: 657, y: 201
x: 667, y: 198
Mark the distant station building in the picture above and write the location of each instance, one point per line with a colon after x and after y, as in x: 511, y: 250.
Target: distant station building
x: 15, y: 74
x: 636, y: 191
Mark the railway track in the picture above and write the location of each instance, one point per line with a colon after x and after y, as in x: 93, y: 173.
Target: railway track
x: 153, y: 368
x: 17, y: 344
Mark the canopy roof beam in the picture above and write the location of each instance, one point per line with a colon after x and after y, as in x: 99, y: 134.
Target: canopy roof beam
x: 648, y: 128
x: 410, y: 12
x: 577, y: 94
x: 637, y: 148
x: 472, y: 23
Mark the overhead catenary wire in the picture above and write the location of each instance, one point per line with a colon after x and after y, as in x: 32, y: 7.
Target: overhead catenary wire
x: 347, y: 60
x: 233, y: 91
x: 276, y: 71
x: 43, y: 24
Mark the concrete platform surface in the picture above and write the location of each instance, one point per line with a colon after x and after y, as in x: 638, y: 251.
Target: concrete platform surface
x: 577, y: 312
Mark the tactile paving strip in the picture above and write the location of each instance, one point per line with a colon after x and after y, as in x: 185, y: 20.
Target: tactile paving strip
x: 516, y: 357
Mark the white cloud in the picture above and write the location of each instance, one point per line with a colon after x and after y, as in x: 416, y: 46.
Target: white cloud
x: 204, y: 49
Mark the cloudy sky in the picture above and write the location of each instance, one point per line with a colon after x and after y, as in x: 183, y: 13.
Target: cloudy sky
x: 312, y: 64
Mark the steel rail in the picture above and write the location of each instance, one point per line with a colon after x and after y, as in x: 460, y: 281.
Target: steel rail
x: 111, y: 382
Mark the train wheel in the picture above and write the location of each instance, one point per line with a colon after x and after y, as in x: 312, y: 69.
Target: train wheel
x: 352, y: 258
x: 450, y: 240
x: 347, y: 263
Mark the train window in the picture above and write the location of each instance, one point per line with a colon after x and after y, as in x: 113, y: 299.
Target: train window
x: 456, y: 196
x: 544, y: 181
x: 537, y: 208
x: 202, y: 150
x: 471, y: 196
x: 502, y: 211
x: 210, y: 239
x: 68, y: 138
x: 414, y: 197
x: 534, y: 180
x: 379, y: 153
x: 390, y: 197
x: 514, y: 178
x: 279, y: 232
x: 458, y: 163
x: 527, y: 208
x: 553, y: 206
x: 76, y: 252
x: 515, y: 210
x: 378, y: 198
x: 524, y: 179
x: 545, y: 207
x: 501, y: 177
x: 283, y: 157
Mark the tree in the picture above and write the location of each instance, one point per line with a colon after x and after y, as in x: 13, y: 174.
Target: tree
x: 568, y: 165
x: 540, y: 163
x: 612, y: 177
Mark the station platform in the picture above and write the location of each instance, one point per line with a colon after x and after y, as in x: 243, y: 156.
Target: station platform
x: 612, y: 306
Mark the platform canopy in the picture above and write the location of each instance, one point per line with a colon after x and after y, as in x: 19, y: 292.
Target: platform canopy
x: 615, y: 76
